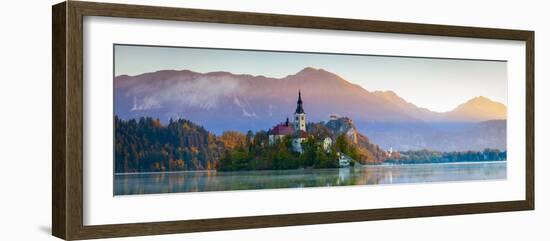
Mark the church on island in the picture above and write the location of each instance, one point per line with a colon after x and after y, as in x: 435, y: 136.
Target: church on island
x: 296, y: 130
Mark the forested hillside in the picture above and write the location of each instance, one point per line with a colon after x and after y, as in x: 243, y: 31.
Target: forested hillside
x: 146, y: 145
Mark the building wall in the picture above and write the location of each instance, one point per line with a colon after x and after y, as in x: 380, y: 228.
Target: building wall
x: 300, y: 122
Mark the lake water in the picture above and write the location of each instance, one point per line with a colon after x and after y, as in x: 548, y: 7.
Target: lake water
x: 173, y: 182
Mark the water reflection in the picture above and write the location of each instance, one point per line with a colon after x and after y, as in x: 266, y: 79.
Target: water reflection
x: 246, y: 180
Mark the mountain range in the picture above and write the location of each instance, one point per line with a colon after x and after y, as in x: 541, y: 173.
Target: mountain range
x: 226, y: 101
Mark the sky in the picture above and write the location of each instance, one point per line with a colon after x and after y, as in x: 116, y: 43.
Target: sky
x: 437, y: 84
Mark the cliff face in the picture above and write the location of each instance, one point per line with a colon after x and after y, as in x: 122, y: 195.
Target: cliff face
x: 370, y: 152
x: 343, y: 125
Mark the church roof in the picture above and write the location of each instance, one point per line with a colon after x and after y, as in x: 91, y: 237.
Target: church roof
x: 299, y: 107
x: 282, y: 129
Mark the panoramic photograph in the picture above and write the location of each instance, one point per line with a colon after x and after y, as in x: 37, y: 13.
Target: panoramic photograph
x: 190, y: 119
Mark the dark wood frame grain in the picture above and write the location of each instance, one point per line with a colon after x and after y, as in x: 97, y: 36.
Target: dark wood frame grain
x: 67, y: 138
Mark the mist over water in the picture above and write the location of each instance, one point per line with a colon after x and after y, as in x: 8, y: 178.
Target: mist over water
x: 204, y: 181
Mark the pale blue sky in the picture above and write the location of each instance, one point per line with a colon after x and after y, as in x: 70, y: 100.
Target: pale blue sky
x: 436, y: 84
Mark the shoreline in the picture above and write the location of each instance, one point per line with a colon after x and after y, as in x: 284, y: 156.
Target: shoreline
x: 435, y: 163
x: 357, y: 165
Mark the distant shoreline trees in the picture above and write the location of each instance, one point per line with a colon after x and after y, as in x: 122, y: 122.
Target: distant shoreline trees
x: 427, y: 156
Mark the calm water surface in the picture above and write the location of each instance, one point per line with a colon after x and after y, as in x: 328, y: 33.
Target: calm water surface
x: 148, y: 183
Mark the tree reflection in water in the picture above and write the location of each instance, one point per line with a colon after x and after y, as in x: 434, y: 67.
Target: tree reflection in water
x: 203, y: 181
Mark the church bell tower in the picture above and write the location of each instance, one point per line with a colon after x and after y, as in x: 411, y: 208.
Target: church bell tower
x: 300, y: 115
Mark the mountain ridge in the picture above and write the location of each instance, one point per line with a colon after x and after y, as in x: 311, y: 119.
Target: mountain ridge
x: 308, y: 79
x: 479, y: 108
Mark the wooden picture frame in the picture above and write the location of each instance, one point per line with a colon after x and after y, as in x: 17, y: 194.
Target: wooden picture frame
x: 67, y: 124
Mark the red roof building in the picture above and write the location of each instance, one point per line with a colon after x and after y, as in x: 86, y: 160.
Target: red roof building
x: 282, y: 129
x: 279, y: 131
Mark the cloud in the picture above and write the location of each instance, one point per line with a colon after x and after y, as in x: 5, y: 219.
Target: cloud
x: 204, y: 93
x: 147, y: 103
x: 242, y: 105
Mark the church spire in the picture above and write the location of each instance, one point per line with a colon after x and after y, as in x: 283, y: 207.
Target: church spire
x: 299, y: 107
